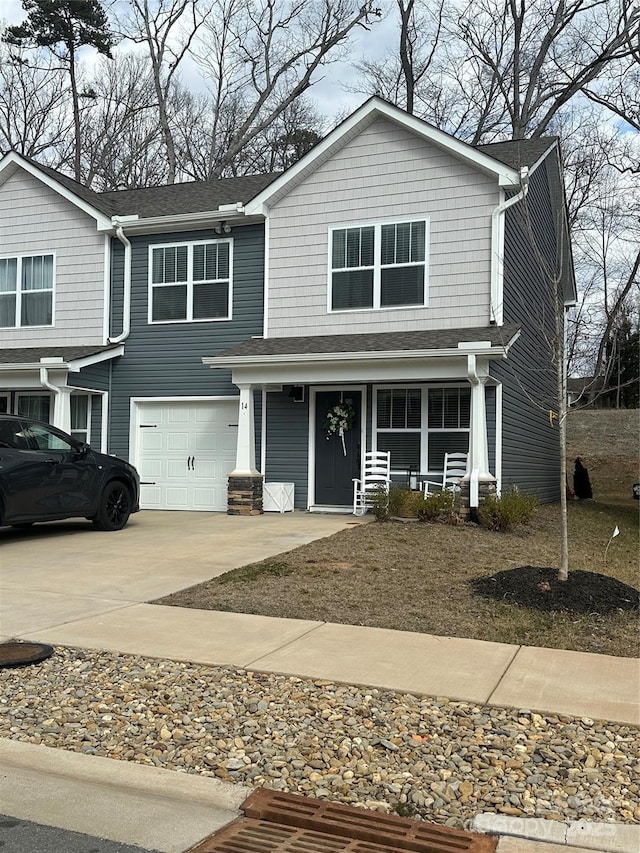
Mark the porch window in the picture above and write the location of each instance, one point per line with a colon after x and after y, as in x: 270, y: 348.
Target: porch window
x: 449, y: 412
x: 398, y: 423
x: 378, y: 266
x: 36, y: 406
x: 26, y: 291
x: 80, y: 416
x: 190, y: 282
x: 419, y: 424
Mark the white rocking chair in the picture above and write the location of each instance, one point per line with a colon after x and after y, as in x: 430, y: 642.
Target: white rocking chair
x: 455, y: 467
x: 376, y: 478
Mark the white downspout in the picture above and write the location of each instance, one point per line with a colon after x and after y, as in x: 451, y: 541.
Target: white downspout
x: 61, y: 406
x: 497, y: 248
x: 478, y: 465
x: 126, y: 290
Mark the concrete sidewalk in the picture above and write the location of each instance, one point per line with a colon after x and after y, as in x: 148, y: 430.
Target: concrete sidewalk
x: 545, y: 680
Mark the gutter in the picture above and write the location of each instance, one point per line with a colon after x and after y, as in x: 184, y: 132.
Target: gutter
x: 497, y: 248
x: 300, y: 358
x: 126, y: 291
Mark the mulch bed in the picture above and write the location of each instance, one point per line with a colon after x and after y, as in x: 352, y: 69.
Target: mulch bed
x: 539, y: 588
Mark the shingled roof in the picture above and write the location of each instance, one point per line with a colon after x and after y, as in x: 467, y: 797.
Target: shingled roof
x: 380, y: 342
x: 32, y: 355
x: 518, y: 152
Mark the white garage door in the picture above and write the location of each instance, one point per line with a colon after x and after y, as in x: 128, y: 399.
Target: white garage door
x: 186, y: 451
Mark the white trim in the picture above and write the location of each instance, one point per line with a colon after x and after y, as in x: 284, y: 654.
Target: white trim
x: 263, y: 433
x: 106, y: 304
x: 182, y: 221
x: 189, y: 283
x: 265, y: 298
x: 311, y: 431
x: 363, y: 117
x: 134, y: 415
x: 377, y: 265
x: 76, y: 364
x: 498, y: 439
x: 14, y: 159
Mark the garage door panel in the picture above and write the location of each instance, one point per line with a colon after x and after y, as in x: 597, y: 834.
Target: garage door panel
x: 199, y: 429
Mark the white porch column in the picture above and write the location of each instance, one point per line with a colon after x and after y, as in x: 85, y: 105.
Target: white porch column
x: 246, y: 447
x: 62, y: 409
x: 61, y: 394
x: 478, y: 480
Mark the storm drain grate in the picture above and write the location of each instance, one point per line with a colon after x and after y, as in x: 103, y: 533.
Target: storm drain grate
x: 288, y: 823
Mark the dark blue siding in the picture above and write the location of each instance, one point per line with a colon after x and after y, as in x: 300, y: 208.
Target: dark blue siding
x: 287, y: 443
x: 530, y: 445
x: 165, y: 360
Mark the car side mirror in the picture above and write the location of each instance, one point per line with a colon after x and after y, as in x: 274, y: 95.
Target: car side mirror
x: 82, y: 448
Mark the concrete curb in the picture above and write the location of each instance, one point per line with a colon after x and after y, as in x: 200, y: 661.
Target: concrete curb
x: 150, y: 807
x: 603, y: 837
x: 127, y: 775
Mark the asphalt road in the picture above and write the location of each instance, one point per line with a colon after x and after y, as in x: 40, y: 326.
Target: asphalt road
x: 22, y: 836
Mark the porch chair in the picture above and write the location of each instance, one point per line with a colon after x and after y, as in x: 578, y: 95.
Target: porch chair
x: 455, y: 467
x: 376, y: 477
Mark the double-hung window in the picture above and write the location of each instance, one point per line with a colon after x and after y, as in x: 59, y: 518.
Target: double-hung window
x: 378, y: 266
x: 419, y: 424
x: 26, y: 291
x: 190, y: 282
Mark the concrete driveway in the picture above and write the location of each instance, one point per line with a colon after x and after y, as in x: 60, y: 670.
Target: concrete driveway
x: 56, y: 573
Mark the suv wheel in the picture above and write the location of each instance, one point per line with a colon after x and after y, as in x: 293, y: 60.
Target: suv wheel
x: 115, y: 507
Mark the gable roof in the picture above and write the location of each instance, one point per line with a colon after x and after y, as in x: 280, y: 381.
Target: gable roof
x: 375, y: 108
x: 250, y: 195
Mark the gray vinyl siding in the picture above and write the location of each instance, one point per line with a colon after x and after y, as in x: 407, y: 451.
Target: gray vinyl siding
x: 36, y: 220
x: 287, y: 455
x: 385, y: 174
x: 530, y: 445
x: 165, y: 360
x: 96, y: 376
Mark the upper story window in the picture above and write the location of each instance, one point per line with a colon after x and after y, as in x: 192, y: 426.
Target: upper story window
x: 26, y: 291
x: 190, y: 282
x: 378, y: 266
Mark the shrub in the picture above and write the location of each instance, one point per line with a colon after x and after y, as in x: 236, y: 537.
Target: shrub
x: 380, y: 504
x: 437, y: 507
x: 505, y: 512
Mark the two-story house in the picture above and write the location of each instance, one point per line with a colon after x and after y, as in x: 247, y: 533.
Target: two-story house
x: 394, y: 269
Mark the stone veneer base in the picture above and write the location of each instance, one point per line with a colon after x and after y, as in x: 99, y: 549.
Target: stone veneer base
x: 244, y: 496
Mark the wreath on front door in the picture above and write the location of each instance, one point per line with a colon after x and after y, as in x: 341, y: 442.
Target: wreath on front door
x: 339, y: 420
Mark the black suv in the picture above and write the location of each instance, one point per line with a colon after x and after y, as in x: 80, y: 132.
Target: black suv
x: 46, y: 475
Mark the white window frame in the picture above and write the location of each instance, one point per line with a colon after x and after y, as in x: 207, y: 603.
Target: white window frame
x: 378, y: 266
x: 189, y: 283
x: 425, y: 431
x: 19, y: 291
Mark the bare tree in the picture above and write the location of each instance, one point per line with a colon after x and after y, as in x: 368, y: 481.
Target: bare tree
x: 122, y: 144
x: 167, y: 28
x: 35, y: 111
x: 259, y: 57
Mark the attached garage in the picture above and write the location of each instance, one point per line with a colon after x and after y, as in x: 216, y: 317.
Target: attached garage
x: 184, y: 452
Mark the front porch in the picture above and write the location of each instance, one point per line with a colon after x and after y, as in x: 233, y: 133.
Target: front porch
x: 417, y: 403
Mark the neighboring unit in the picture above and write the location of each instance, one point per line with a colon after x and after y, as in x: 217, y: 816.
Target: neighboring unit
x: 394, y: 272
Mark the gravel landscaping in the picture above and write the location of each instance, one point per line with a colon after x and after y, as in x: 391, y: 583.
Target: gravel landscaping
x: 437, y: 759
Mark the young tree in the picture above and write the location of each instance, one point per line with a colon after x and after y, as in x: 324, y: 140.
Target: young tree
x: 63, y: 27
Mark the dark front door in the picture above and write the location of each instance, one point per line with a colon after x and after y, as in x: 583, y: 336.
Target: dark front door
x: 336, y: 465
